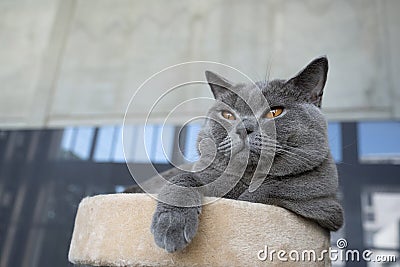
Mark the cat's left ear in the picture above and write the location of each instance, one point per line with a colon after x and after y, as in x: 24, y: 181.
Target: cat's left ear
x: 219, y: 85
x: 311, y: 80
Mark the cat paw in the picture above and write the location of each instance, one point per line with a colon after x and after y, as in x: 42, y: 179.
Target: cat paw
x: 174, y: 229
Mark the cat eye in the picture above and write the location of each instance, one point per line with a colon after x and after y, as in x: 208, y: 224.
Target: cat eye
x: 228, y: 115
x: 273, y: 113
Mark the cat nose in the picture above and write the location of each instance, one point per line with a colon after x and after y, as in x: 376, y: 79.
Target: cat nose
x: 245, y: 129
x: 243, y: 132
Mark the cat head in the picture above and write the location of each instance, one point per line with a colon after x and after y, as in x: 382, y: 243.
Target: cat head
x: 279, y: 118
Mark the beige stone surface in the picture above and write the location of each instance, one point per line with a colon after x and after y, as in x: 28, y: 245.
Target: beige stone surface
x: 113, y: 230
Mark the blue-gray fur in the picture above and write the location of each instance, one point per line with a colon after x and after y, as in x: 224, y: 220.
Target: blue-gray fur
x: 302, y: 177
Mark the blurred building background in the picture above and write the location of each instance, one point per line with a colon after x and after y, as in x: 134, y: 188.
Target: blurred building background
x: 70, y: 67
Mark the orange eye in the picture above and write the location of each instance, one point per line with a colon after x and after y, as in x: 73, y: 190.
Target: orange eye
x: 273, y: 113
x: 228, y: 115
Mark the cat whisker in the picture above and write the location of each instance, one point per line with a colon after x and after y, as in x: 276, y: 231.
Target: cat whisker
x: 296, y: 156
x: 266, y: 144
x: 226, y: 140
x: 265, y: 137
x: 290, y: 158
x: 269, y: 143
x: 225, y: 146
x: 307, y: 152
x: 225, y: 150
x: 264, y: 147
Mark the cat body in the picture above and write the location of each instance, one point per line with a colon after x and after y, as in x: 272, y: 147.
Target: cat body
x: 264, y: 142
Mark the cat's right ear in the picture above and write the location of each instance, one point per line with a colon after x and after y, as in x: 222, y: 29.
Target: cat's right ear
x: 311, y: 80
x: 218, y: 84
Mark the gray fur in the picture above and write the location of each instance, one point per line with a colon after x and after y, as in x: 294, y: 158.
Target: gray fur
x: 300, y: 177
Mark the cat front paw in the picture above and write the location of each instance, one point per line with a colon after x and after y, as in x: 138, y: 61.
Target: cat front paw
x: 174, y: 228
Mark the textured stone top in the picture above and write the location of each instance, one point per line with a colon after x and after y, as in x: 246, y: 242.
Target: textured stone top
x: 114, y: 230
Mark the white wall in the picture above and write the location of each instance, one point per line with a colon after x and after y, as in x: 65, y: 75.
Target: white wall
x: 69, y: 62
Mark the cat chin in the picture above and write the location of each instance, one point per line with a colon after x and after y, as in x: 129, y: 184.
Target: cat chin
x: 253, y: 159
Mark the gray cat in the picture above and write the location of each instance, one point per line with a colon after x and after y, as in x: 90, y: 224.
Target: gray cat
x: 270, y: 148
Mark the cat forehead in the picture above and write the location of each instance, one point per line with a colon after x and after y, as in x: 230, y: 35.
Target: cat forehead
x: 276, y: 92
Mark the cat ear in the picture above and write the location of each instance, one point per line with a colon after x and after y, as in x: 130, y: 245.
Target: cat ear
x: 311, y: 80
x: 219, y: 85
